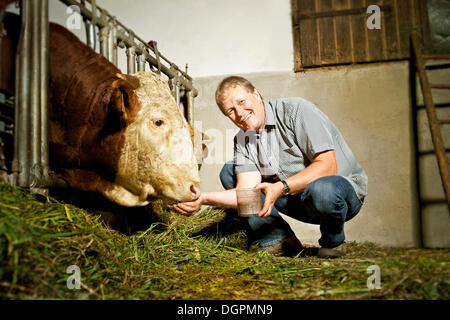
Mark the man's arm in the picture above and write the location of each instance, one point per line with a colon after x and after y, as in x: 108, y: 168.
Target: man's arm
x: 227, y: 199
x: 323, y: 164
x: 223, y: 199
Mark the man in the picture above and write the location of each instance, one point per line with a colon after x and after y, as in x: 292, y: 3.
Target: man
x: 290, y: 150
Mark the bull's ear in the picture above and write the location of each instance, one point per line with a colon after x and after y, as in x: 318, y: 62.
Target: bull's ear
x: 124, y: 100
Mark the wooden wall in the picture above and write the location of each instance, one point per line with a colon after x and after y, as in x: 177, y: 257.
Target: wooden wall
x: 332, y: 32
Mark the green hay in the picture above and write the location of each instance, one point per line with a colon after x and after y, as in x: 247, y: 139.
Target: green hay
x: 187, y: 258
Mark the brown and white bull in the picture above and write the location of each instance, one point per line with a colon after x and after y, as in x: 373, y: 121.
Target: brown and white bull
x: 120, y: 135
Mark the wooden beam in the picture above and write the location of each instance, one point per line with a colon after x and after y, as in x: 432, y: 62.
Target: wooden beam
x: 336, y: 13
x: 436, y: 56
x: 440, y: 86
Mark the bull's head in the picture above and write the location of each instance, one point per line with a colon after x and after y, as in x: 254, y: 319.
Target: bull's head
x: 157, y: 158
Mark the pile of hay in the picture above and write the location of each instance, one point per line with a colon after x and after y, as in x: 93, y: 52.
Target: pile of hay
x: 187, y: 258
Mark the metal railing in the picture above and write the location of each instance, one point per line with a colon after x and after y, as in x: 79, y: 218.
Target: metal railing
x: 30, y: 165
x: 113, y: 34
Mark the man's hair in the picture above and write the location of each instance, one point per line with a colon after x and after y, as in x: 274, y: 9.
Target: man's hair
x: 229, y: 83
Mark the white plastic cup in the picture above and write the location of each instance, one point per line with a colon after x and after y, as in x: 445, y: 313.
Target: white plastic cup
x: 248, y: 201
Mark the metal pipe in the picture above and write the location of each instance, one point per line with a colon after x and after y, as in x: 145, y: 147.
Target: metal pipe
x: 94, y: 23
x: 85, y: 12
x: 21, y: 122
x: 110, y: 43
x: 190, y: 107
x: 15, y: 165
x: 45, y: 163
x: 131, y: 60
x: 103, y: 39
x: 171, y: 72
x: 113, y: 43
x: 35, y: 98
x: 172, y: 86
x: 177, y: 91
x: 158, y: 58
x: 140, y: 63
x: 87, y: 26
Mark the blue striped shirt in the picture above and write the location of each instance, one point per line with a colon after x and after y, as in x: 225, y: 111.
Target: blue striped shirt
x: 295, y: 131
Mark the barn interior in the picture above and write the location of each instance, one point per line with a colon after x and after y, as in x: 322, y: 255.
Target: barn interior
x: 356, y: 63
x: 363, y: 78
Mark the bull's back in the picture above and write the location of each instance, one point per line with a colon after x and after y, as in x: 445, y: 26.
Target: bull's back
x: 80, y: 85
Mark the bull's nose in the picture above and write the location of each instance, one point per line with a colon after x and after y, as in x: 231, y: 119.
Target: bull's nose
x: 195, y: 190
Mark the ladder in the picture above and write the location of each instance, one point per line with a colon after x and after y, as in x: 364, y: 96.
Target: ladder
x: 435, y: 123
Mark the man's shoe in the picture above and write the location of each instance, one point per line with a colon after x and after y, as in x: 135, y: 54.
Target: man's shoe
x: 335, y: 252
x: 288, y: 247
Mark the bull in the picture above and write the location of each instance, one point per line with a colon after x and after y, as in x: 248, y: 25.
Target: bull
x: 120, y: 135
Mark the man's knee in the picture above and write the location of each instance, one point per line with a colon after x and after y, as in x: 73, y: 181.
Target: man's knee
x: 227, y: 176
x: 325, y: 194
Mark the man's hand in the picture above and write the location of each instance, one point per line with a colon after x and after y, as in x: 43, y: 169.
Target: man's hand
x: 272, y: 191
x: 188, y: 208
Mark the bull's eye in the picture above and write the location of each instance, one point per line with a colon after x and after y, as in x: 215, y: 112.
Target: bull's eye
x: 158, y: 122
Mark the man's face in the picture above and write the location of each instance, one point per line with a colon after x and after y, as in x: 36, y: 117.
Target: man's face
x: 244, y: 108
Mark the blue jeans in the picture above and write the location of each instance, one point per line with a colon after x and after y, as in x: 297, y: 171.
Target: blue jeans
x: 328, y: 201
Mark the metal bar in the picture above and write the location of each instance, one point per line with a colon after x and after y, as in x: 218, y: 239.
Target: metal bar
x: 190, y: 107
x: 158, y: 57
x: 35, y: 98
x: 140, y: 63
x: 22, y: 121
x: 15, y: 165
x: 121, y: 36
x: 177, y: 91
x: 432, y: 117
x: 87, y: 26
x: 110, y: 43
x: 113, y: 40
x: 45, y: 163
x: 103, y: 39
x: 94, y: 23
x: 131, y: 60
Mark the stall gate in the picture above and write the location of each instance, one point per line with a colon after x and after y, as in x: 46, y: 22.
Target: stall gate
x: 24, y: 115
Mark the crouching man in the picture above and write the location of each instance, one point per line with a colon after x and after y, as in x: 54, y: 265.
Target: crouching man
x: 296, y: 156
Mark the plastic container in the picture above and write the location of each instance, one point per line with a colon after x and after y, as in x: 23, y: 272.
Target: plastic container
x: 248, y: 201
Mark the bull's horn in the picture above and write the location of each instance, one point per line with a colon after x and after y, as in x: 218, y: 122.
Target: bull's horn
x: 128, y: 82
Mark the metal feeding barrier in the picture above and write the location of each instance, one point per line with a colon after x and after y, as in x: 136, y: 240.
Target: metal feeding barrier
x: 30, y: 163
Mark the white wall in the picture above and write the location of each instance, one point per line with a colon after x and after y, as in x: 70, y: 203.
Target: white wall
x: 370, y: 106
x: 211, y: 36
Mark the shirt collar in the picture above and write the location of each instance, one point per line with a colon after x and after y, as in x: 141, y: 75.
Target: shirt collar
x: 269, y: 116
